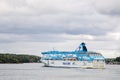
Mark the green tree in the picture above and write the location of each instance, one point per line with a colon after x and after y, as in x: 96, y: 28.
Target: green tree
x: 13, y: 58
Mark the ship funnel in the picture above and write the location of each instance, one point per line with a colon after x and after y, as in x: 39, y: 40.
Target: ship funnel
x: 82, y: 47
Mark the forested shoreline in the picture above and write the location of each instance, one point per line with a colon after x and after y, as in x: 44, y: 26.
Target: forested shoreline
x: 18, y: 58
x: 113, y: 60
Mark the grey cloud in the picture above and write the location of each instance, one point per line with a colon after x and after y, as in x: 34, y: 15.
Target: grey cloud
x: 40, y: 7
x: 12, y: 38
x: 6, y: 41
x: 57, y: 24
x: 55, y: 30
x: 108, y: 7
x: 114, y: 12
x: 75, y: 17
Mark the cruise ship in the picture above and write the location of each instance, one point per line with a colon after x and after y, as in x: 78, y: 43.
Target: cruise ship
x: 80, y: 58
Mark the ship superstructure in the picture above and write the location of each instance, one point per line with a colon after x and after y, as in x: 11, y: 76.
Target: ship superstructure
x: 78, y: 58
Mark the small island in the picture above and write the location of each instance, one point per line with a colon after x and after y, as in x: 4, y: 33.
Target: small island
x: 18, y: 58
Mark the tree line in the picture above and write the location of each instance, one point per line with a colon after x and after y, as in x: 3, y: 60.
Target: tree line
x: 113, y: 60
x: 18, y: 58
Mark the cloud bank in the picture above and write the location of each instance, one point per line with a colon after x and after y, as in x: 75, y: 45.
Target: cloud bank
x: 59, y: 22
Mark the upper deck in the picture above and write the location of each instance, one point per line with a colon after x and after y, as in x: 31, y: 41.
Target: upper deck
x: 80, y: 53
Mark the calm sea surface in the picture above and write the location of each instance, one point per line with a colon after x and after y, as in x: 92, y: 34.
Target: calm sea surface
x: 35, y: 71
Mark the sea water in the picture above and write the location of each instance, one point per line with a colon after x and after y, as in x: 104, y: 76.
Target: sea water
x: 36, y: 71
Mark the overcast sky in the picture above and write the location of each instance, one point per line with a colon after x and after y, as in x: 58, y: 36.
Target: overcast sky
x: 34, y: 26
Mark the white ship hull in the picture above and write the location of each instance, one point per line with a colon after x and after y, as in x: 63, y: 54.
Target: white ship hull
x: 78, y: 64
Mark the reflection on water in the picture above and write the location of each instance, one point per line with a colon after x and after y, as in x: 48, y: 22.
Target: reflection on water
x: 36, y: 71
